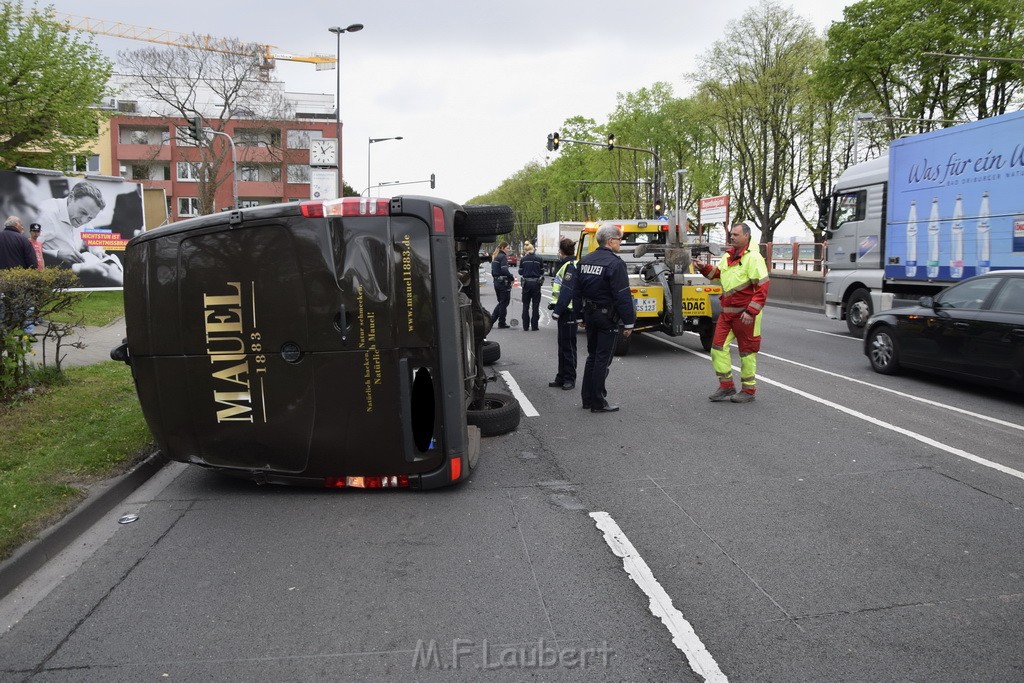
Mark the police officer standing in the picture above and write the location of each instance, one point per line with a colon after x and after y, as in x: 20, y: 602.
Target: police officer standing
x: 601, y: 292
x: 566, y: 272
x: 531, y: 272
x: 502, y: 278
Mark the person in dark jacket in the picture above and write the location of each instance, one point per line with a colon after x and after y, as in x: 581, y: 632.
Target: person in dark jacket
x: 15, y: 249
x: 502, y: 278
x: 561, y: 302
x: 531, y: 273
x: 600, y: 293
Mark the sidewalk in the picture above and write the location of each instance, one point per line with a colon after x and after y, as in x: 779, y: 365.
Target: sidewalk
x: 97, y: 343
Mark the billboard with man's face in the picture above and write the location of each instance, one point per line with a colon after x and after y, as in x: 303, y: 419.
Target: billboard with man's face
x: 85, y: 223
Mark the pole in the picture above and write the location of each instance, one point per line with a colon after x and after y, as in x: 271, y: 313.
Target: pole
x: 337, y: 112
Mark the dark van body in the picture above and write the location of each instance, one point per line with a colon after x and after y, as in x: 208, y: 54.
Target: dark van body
x: 331, y: 344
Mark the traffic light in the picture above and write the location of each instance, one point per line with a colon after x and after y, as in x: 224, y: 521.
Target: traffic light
x: 195, y: 128
x: 551, y: 142
x: 611, y: 141
x: 657, y: 207
x: 431, y: 181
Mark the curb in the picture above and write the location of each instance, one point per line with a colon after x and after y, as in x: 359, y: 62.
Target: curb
x: 102, y: 497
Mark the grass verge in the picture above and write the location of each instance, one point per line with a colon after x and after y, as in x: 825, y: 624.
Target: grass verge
x: 59, y: 440
x: 98, y: 308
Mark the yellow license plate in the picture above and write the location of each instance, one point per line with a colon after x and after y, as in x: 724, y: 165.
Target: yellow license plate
x: 697, y: 301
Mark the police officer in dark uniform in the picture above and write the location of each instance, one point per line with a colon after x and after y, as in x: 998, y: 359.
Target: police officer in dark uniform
x: 502, y: 278
x: 566, y: 321
x: 531, y: 272
x: 600, y: 291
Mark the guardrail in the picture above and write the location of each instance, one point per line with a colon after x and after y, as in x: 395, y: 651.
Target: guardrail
x: 797, y: 258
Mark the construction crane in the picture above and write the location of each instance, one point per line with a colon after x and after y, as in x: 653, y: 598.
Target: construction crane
x: 119, y: 29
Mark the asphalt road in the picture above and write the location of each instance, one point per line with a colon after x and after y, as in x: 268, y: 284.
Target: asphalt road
x: 845, y: 526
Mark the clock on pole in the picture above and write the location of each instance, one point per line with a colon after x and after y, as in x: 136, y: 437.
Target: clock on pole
x: 323, y: 152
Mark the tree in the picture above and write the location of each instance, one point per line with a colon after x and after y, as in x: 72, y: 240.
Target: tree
x: 50, y: 82
x: 218, y: 86
x: 754, y: 80
x: 878, y: 54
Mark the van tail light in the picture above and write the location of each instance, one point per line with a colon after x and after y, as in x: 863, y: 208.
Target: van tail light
x: 348, y: 206
x: 456, y: 468
x: 439, y: 225
x: 395, y: 481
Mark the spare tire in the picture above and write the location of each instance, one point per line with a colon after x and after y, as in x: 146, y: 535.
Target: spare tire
x: 490, y: 352
x: 485, y: 220
x: 496, y: 414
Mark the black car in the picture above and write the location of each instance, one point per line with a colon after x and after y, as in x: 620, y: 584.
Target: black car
x: 974, y: 331
x: 336, y: 344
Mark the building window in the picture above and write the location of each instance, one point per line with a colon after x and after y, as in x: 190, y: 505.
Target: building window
x: 298, y: 173
x: 257, y: 137
x: 83, y: 163
x: 300, y: 139
x: 259, y: 173
x: 188, y: 206
x: 249, y: 203
x: 190, y: 171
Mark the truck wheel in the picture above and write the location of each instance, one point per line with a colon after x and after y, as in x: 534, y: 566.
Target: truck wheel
x: 495, y: 414
x: 485, y: 220
x: 883, y: 350
x: 622, y: 343
x: 707, y: 335
x: 858, y: 310
x: 490, y: 352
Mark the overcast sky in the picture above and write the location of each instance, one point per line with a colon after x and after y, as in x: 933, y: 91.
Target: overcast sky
x: 473, y: 86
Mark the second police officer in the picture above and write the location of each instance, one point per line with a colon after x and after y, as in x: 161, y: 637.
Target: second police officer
x: 600, y: 291
x: 531, y: 273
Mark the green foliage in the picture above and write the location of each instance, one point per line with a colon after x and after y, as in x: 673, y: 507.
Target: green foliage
x: 50, y: 80
x: 58, y: 441
x: 26, y: 297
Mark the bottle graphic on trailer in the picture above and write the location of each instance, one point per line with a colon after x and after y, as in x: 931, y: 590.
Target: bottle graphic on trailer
x: 956, y: 259
x: 933, y: 239
x: 912, y: 240
x: 983, y: 236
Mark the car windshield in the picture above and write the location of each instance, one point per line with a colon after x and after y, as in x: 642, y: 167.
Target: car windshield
x: 969, y: 294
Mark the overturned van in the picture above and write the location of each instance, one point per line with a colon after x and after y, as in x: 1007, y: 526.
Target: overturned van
x: 332, y: 344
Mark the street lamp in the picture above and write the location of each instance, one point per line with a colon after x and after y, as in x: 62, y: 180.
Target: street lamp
x: 371, y: 141
x: 337, y: 31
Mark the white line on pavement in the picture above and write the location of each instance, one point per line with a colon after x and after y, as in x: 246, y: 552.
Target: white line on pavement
x: 867, y: 418
x: 919, y: 399
x: 683, y: 635
x: 524, y: 402
x: 834, y: 334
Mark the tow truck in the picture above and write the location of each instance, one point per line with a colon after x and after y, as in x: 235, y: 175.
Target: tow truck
x: 668, y: 295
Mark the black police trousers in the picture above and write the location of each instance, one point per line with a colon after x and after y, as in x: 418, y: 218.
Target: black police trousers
x: 601, y: 333
x: 566, y: 348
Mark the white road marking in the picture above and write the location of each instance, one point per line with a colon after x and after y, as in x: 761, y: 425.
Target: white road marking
x: 524, y: 402
x: 919, y: 399
x: 683, y: 635
x: 834, y: 334
x: 875, y: 421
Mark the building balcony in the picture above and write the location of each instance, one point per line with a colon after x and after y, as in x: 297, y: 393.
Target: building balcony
x: 127, y: 152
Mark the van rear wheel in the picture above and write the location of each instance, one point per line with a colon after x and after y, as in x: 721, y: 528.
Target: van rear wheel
x: 494, y: 414
x: 490, y: 352
x: 485, y: 220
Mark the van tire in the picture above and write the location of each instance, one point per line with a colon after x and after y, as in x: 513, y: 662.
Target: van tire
x: 498, y: 415
x: 485, y: 220
x: 490, y: 352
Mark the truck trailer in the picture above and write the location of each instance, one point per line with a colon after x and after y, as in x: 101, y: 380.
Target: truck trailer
x: 938, y: 208
x: 548, y: 237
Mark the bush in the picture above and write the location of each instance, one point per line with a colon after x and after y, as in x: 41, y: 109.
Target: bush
x: 29, y: 300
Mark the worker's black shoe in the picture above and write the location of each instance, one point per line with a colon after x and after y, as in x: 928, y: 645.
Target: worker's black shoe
x: 556, y: 383
x: 568, y: 385
x: 606, y: 408
x: 722, y: 394
x: 503, y: 326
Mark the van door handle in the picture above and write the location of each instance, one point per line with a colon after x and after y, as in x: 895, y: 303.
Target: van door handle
x: 1017, y: 332
x: 961, y: 326
x: 341, y: 323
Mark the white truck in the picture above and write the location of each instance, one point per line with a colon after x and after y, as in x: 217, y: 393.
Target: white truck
x: 938, y: 208
x: 548, y: 237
